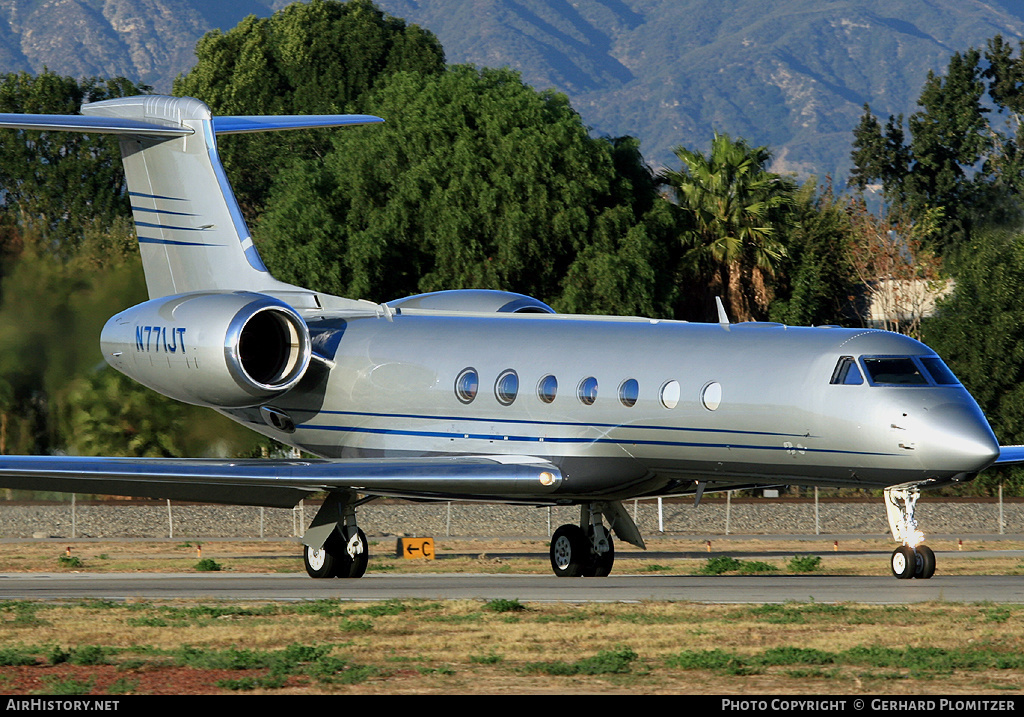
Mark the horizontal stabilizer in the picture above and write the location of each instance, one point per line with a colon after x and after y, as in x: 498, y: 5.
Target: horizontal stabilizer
x: 1010, y: 455
x: 283, y: 483
x: 221, y: 125
x: 238, y: 125
x: 97, y: 125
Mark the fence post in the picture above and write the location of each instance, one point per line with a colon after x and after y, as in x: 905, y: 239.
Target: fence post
x: 728, y: 510
x: 817, y: 524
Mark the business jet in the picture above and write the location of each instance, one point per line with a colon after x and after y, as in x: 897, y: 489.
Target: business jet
x: 483, y: 395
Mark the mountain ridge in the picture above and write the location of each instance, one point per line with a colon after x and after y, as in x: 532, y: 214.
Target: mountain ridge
x: 793, y: 75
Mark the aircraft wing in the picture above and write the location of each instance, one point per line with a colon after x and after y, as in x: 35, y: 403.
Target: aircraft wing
x: 1009, y: 455
x: 283, y: 483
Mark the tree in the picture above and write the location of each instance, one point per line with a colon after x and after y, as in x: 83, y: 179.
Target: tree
x: 815, y: 283
x: 979, y: 332
x: 735, y: 210
x: 57, y: 183
x: 900, y: 276
x: 475, y: 180
x: 961, y: 153
x: 318, y: 57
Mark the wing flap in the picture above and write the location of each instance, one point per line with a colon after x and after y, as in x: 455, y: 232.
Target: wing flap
x: 282, y: 483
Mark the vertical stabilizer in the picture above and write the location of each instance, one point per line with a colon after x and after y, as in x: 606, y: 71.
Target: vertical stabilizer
x: 191, y: 232
x: 192, y: 236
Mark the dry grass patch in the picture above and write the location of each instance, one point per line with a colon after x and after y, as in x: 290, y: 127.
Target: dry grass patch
x: 476, y: 647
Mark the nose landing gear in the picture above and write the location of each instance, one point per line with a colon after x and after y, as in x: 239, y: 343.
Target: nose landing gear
x: 913, y: 562
x: 912, y: 559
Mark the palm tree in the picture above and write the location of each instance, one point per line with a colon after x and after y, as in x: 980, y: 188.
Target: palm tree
x: 734, y: 210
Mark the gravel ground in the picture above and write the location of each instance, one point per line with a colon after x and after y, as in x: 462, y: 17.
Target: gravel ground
x: 765, y: 517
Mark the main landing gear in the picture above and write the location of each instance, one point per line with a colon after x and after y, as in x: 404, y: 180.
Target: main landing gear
x: 912, y: 559
x: 574, y: 553
x: 339, y: 557
x: 334, y: 546
x: 587, y: 550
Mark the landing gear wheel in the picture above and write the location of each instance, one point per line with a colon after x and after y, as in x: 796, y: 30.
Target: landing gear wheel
x: 570, y: 551
x: 903, y: 562
x: 338, y: 558
x: 924, y: 565
x: 353, y: 556
x: 600, y: 564
x: 320, y: 562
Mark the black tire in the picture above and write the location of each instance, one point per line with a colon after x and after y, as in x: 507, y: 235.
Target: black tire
x: 600, y: 564
x: 924, y: 566
x: 570, y: 551
x: 903, y: 562
x: 321, y: 563
x: 352, y: 564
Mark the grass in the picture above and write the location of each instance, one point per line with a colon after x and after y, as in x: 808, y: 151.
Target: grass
x: 505, y: 645
x: 471, y: 646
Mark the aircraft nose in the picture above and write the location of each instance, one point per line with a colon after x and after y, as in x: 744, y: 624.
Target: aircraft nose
x: 959, y: 438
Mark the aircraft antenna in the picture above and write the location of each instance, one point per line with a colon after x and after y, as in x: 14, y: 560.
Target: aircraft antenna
x: 723, y: 318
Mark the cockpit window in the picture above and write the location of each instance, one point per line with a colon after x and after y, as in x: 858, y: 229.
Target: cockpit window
x: 847, y: 373
x: 940, y: 373
x: 898, y: 370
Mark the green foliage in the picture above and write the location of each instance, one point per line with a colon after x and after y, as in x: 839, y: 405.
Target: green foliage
x: 69, y: 561
x: 751, y: 567
x: 17, y: 656
x: 318, y: 57
x: 265, y: 682
x: 804, y: 563
x: 733, y: 213
x: 208, y: 565
x: 67, y: 686
x: 503, y: 605
x: 923, y: 659
x: 88, y: 655
x: 606, y: 662
x: 475, y: 181
x: 979, y: 332
x: 719, y: 564
x: 60, y: 183
x: 960, y: 152
x: 815, y: 282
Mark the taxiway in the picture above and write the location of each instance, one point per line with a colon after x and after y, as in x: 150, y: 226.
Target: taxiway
x: 525, y: 588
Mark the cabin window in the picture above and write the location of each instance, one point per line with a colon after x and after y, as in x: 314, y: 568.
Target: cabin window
x: 466, y: 385
x: 894, y: 371
x: 711, y: 396
x: 506, y: 388
x: 670, y: 394
x: 547, y: 387
x: 847, y: 373
x: 939, y: 372
x: 629, y: 391
x: 587, y: 391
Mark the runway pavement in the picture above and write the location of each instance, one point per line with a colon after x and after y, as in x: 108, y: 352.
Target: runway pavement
x: 525, y: 588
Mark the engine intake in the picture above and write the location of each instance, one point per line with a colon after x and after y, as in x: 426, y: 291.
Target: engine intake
x: 226, y: 350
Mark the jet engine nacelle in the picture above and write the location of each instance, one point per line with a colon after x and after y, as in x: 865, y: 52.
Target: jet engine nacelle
x: 227, y: 350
